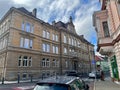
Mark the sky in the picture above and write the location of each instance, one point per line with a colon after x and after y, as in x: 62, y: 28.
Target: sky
x: 60, y: 10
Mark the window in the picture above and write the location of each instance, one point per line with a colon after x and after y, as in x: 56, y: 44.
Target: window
x: 66, y: 63
x: 46, y: 34
x: 65, y: 39
x: 26, y: 43
x: 32, y: 28
x: 23, y: 26
x: 106, y: 29
x: 45, y: 62
x: 70, y: 41
x: 55, y: 37
x: 3, y: 42
x: 27, y: 27
x: 30, y: 61
x: 78, y: 44
x: 65, y: 50
x: 25, y: 60
x: 75, y: 42
x: 19, y: 61
x: 46, y: 47
x: 55, y: 49
x: 54, y: 63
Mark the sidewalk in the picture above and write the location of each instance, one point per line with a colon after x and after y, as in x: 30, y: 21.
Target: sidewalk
x: 106, y: 85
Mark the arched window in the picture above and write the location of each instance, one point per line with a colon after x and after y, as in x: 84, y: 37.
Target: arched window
x: 43, y: 62
x: 30, y: 61
x: 20, y: 61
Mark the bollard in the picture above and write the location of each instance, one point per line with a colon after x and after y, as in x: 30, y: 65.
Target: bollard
x: 31, y: 78
x: 18, y: 78
x: 3, y: 80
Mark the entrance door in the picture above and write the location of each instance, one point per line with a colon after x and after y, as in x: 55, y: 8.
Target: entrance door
x: 114, y: 67
x: 75, y: 65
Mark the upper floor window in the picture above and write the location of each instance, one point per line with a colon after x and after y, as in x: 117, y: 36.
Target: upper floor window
x: 46, y: 47
x: 106, y: 29
x: 65, y: 39
x: 26, y: 43
x: 46, y: 34
x: 55, y: 37
x: 70, y: 41
x: 66, y: 63
x: 65, y: 50
x: 23, y: 25
x: 27, y: 27
x: 3, y: 42
x: 55, y: 49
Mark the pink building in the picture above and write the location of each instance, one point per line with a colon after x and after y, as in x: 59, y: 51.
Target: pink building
x: 107, y: 25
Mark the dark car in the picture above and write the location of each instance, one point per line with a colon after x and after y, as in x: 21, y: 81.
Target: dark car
x: 72, y: 73
x: 60, y: 83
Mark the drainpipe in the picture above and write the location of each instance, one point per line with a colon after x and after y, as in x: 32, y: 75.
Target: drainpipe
x: 60, y: 53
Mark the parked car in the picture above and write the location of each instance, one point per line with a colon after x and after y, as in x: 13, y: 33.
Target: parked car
x: 95, y: 74
x: 92, y: 75
x: 72, y: 73
x: 60, y: 83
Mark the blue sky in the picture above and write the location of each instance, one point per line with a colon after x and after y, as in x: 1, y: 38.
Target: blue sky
x: 61, y: 10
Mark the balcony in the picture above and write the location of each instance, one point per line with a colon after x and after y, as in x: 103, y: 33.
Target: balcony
x: 106, y: 50
x: 105, y: 45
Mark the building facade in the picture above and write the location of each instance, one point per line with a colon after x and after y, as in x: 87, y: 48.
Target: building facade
x: 31, y: 47
x: 107, y: 25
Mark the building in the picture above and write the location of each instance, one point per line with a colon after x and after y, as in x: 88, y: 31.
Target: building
x: 102, y: 62
x: 107, y: 25
x: 31, y: 47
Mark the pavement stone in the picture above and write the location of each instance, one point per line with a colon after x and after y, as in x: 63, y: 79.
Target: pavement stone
x: 106, y: 85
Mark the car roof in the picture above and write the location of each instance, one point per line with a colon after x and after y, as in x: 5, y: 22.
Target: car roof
x: 58, y: 79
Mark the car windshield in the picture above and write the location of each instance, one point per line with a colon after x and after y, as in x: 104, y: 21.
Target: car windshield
x: 51, y: 87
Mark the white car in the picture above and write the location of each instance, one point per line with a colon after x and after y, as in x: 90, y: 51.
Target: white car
x: 92, y: 75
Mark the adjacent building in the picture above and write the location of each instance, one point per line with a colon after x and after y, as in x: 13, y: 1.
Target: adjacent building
x: 32, y: 47
x: 107, y: 25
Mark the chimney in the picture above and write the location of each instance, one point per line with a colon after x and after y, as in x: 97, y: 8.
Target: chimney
x: 53, y: 23
x: 34, y: 12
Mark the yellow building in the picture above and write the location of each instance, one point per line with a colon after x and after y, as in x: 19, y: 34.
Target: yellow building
x: 31, y: 47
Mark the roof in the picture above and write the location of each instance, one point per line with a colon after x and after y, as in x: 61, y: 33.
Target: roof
x: 22, y: 9
x: 59, y: 79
